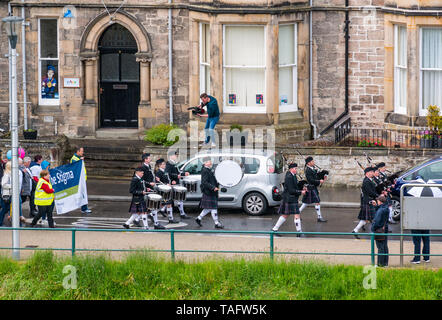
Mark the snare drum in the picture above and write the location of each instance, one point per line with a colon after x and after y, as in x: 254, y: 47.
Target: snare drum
x: 165, y: 192
x: 190, y: 185
x: 179, y: 193
x: 154, y: 201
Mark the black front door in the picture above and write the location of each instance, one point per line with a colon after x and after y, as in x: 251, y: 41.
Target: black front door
x: 119, y: 79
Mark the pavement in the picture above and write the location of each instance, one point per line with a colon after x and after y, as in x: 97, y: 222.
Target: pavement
x: 109, y: 202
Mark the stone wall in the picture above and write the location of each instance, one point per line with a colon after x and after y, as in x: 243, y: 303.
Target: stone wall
x: 4, y: 72
x: 343, y: 168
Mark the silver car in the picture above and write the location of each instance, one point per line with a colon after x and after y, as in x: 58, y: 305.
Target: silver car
x: 259, y: 188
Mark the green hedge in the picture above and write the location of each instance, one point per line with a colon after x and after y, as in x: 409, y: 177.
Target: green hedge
x: 158, y: 134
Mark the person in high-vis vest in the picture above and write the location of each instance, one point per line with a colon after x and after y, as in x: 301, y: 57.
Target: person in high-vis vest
x: 44, y: 199
x: 79, y: 155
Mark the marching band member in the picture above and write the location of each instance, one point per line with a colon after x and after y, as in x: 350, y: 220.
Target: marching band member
x: 175, y: 176
x: 368, y: 200
x: 209, y: 189
x: 312, y: 195
x: 289, y: 203
x: 137, y: 205
x: 383, y: 176
x: 162, y: 176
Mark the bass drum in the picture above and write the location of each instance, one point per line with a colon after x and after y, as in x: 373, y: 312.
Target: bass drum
x: 229, y: 173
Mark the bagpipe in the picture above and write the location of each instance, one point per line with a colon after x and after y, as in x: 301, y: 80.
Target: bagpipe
x: 302, y: 183
x: 197, y: 110
x: 322, y: 174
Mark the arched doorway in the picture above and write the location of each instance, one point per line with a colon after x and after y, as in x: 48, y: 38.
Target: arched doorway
x: 119, y: 78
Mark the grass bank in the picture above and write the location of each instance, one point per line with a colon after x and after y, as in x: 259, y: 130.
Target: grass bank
x: 144, y: 276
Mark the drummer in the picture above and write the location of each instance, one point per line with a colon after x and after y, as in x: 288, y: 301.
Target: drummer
x: 175, y: 176
x: 162, y: 177
x: 137, y: 206
x: 209, y: 189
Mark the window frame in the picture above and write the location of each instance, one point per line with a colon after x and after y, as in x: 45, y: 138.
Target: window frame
x: 41, y: 101
x: 423, y: 112
x: 396, y: 86
x: 244, y: 109
x: 203, y: 66
x: 290, y: 107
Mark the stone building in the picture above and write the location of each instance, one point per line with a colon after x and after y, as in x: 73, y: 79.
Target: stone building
x: 298, y: 66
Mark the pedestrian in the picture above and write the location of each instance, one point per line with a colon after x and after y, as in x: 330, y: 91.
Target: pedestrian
x: 417, y: 246
x: 163, y: 177
x: 384, y: 178
x: 6, y: 192
x: 44, y: 199
x: 26, y: 191
x: 2, y: 203
x: 380, y: 225
x: 368, y: 201
x: 312, y: 194
x: 79, y: 155
x: 137, y: 205
x: 35, y: 168
x: 209, y: 189
x: 175, y: 176
x: 212, y: 116
x: 289, y: 205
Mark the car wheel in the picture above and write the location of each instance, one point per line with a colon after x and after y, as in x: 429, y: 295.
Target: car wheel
x: 396, y: 207
x: 254, y: 204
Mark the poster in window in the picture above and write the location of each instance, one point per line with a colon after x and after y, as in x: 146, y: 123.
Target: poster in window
x: 232, y: 99
x: 259, y: 99
x: 284, y: 99
x: 49, y: 84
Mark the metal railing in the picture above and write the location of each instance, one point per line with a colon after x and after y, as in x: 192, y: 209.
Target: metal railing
x: 271, y: 252
x: 345, y: 135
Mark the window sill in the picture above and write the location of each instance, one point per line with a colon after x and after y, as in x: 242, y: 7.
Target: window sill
x: 48, y: 109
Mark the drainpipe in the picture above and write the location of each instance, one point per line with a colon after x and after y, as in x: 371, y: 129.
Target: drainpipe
x: 10, y: 73
x: 347, y: 37
x: 311, y: 70
x: 170, y: 64
x: 23, y: 55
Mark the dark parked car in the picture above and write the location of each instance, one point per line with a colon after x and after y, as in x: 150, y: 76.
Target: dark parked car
x: 428, y: 170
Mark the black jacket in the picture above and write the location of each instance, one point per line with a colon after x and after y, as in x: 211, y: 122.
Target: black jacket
x: 208, y: 182
x: 381, y: 218
x: 173, y: 172
x: 148, y: 176
x: 368, y: 191
x: 163, y: 176
x: 291, y: 192
x: 137, y: 188
x: 312, y: 177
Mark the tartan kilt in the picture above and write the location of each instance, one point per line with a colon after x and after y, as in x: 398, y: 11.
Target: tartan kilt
x: 287, y: 208
x: 311, y: 196
x: 209, y: 202
x: 139, y: 207
x: 367, y: 212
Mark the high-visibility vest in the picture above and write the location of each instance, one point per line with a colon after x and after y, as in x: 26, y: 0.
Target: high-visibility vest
x: 41, y: 197
x: 75, y: 159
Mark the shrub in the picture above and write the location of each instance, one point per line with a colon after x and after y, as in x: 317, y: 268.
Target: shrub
x: 158, y: 134
x: 434, y: 119
x: 366, y: 143
x: 236, y: 126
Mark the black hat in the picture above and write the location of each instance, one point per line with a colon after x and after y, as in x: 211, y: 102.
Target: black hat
x: 139, y: 169
x: 381, y: 165
x: 368, y: 169
x: 293, y: 165
x: 145, y: 156
x: 159, y: 161
x: 308, y: 159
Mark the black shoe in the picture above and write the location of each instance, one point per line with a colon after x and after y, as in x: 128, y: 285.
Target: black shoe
x: 159, y: 226
x: 275, y: 233
x: 415, y: 261
x: 198, y: 221
x: 173, y: 221
x: 184, y: 216
x: 219, y: 226
x: 163, y: 213
x: 137, y: 223
x: 126, y: 226
x: 300, y: 235
x: 321, y: 220
x: 355, y: 235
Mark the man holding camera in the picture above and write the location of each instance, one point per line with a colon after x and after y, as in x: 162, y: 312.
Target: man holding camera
x: 212, y: 118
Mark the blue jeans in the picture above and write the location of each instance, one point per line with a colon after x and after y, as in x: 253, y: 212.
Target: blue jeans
x: 210, y: 126
x: 417, y: 245
x: 4, y: 209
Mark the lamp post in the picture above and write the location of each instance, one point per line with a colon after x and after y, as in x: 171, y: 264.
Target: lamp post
x: 11, y: 25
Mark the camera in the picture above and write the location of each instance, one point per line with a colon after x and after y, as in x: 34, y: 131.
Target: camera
x: 196, y: 110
